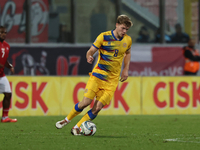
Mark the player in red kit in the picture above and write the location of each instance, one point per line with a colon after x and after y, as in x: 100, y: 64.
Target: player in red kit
x: 4, y: 84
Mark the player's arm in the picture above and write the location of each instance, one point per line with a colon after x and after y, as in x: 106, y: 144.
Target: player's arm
x: 127, y: 59
x: 10, y: 66
x: 90, y: 53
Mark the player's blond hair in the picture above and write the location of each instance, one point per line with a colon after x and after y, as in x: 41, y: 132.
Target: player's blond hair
x: 123, y: 19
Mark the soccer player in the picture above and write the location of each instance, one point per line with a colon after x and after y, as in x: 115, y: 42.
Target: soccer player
x: 4, y: 84
x: 113, y: 46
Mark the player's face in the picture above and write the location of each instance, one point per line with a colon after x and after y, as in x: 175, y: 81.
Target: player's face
x: 121, y: 29
x: 3, y: 33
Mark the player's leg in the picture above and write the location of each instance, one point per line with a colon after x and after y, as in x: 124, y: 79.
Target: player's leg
x: 91, y: 114
x: 5, y: 89
x: 77, y: 109
x: 6, y: 105
x: 102, y: 98
x: 89, y: 95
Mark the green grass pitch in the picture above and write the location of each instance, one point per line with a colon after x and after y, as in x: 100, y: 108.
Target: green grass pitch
x: 140, y: 132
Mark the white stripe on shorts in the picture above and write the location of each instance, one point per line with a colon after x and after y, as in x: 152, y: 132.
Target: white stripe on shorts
x: 4, y: 85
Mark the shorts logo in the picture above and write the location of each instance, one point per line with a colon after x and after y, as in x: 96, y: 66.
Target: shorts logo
x: 86, y: 90
x: 124, y: 45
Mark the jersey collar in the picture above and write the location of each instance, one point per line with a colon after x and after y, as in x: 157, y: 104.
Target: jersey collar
x: 115, y: 37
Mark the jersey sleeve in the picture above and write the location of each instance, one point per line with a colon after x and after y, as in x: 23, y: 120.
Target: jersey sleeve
x: 129, y: 43
x: 99, y: 41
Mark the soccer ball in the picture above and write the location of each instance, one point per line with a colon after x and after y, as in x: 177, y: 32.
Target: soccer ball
x: 88, y: 128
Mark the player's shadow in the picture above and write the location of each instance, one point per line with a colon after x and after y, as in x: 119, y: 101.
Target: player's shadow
x: 109, y: 136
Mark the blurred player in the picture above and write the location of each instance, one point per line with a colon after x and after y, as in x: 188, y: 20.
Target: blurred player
x: 4, y: 84
x: 113, y: 46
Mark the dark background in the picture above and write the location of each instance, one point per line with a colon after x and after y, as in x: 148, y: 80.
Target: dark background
x: 27, y: 61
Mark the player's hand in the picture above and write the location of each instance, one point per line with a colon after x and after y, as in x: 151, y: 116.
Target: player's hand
x: 124, y: 75
x: 90, y: 59
x: 12, y: 70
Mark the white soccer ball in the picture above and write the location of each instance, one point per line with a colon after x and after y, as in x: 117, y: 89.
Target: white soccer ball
x: 88, y: 128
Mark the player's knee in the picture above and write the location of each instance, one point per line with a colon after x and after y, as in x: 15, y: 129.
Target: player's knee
x: 83, y: 104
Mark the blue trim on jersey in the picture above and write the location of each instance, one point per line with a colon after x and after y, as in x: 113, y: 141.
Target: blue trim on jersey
x: 104, y: 67
x: 95, y: 46
x: 78, y: 109
x: 91, y: 115
x: 108, y: 48
x: 105, y: 57
x: 100, y: 76
x: 115, y: 37
x: 108, y: 38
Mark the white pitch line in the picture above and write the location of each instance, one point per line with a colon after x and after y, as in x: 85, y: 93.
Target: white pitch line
x: 171, y: 139
x: 177, y: 140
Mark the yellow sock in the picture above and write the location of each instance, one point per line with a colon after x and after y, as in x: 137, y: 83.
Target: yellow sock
x: 83, y: 119
x: 73, y: 113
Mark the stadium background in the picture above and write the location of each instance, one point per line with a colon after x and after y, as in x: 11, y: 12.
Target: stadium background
x: 49, y: 55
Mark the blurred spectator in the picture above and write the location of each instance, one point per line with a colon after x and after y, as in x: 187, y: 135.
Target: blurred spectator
x: 143, y: 35
x: 192, y: 58
x: 157, y: 37
x: 179, y: 36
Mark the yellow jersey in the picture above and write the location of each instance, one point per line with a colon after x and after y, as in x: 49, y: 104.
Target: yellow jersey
x: 111, y: 54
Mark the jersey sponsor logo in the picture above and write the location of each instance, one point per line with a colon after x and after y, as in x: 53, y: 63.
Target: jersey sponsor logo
x: 124, y: 45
